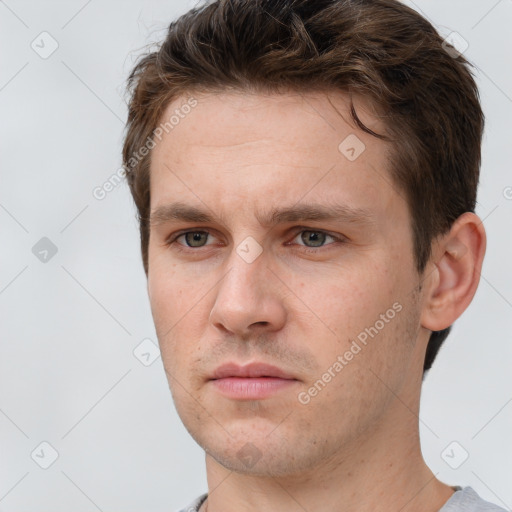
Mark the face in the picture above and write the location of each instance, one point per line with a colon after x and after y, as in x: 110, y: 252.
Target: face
x: 282, y: 284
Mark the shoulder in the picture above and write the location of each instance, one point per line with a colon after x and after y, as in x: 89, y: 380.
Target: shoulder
x: 194, y: 506
x: 467, y: 500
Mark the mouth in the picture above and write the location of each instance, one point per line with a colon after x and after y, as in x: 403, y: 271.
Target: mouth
x: 254, y: 381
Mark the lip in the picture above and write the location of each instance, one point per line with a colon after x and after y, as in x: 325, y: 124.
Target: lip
x: 252, y: 370
x: 254, y: 381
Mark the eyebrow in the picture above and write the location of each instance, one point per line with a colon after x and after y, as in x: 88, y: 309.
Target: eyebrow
x: 182, y: 212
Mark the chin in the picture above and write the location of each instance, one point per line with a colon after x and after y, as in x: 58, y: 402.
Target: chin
x: 250, y: 460
x: 259, y: 453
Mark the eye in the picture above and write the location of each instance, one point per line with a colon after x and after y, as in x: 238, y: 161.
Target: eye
x: 194, y: 238
x: 315, y: 238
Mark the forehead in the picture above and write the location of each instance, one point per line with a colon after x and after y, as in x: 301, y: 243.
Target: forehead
x: 260, y: 147
x: 316, y: 119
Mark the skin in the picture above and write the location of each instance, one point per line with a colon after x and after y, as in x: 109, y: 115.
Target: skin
x: 356, y: 442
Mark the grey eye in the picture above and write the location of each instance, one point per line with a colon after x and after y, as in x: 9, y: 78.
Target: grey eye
x: 316, y: 238
x: 196, y: 238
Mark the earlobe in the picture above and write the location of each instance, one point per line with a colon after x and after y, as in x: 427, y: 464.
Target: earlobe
x: 458, y: 262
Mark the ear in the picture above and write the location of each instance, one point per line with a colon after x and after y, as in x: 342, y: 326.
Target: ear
x: 454, y: 272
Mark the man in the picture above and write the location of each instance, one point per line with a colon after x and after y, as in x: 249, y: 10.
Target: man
x: 305, y: 174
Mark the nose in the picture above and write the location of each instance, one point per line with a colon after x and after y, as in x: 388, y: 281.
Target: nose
x: 248, y: 299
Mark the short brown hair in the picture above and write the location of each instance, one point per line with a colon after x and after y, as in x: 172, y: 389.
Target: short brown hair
x: 379, y: 49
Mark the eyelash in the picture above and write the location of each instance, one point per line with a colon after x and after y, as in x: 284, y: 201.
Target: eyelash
x: 185, y: 248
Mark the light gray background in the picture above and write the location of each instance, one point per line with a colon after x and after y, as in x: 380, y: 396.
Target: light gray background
x: 68, y: 374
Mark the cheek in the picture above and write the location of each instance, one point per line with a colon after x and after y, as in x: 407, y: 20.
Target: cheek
x: 168, y: 303
x: 178, y: 305
x: 362, y: 315
x: 170, y: 290
x: 350, y: 299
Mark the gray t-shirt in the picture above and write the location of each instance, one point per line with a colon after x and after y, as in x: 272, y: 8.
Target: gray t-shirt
x: 467, y: 500
x: 462, y: 500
